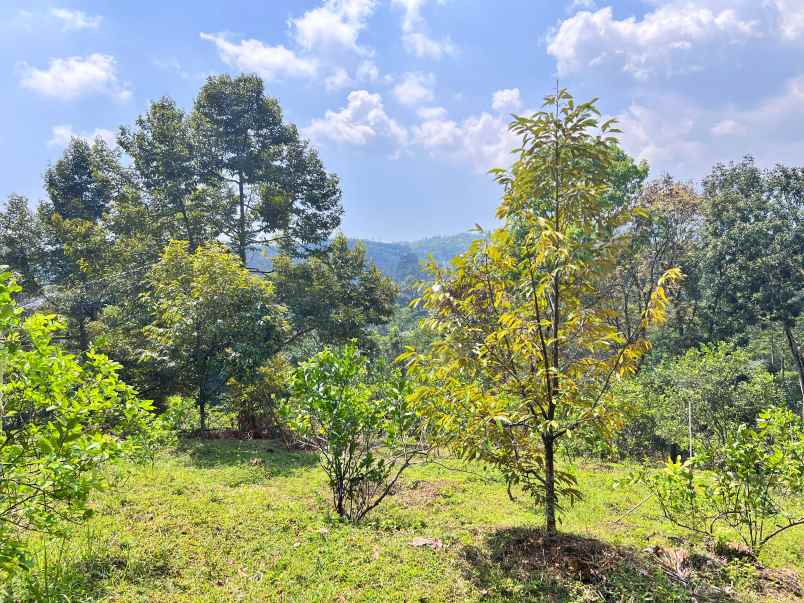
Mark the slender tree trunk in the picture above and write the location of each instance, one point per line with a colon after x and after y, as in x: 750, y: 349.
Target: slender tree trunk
x: 83, y: 337
x: 795, y: 350
x: 202, y: 410
x: 549, y: 486
x: 242, y: 243
x: 190, y: 236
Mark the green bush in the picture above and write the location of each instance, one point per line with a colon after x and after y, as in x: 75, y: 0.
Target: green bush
x: 752, y: 483
x: 364, y: 432
x: 61, y: 421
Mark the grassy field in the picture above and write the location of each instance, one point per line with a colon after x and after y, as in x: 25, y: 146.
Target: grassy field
x: 248, y: 521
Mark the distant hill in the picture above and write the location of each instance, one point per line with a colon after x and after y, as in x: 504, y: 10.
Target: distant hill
x: 400, y: 260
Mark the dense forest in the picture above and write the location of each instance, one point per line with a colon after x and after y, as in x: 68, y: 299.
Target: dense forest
x: 192, y: 351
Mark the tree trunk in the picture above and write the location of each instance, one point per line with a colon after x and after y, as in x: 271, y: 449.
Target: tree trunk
x: 83, y: 337
x: 549, y: 486
x: 202, y: 411
x: 795, y: 350
x: 241, y: 225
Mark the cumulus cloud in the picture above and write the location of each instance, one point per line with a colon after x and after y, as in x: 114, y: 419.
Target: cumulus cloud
x: 76, y: 20
x: 60, y: 136
x: 270, y: 62
x: 363, y: 120
x: 334, y: 24
x: 72, y: 77
x: 664, y: 40
x: 700, y: 135
x: 507, y: 100
x: 415, y: 38
x: 415, y: 88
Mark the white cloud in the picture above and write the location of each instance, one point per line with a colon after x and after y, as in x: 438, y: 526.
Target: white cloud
x: 507, y: 100
x: 663, y: 39
x: 726, y: 127
x: 368, y: 71
x: 790, y: 18
x: 414, y: 35
x: 60, y: 136
x: 422, y: 46
x: 270, y: 62
x: 484, y: 140
x: 432, y: 113
x: 72, y: 77
x: 415, y: 88
x: 336, y: 23
x: 362, y: 121
x: 699, y: 135
x: 338, y: 79
x: 76, y: 20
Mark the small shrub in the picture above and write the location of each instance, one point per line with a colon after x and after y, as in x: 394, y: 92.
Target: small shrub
x: 61, y: 422
x: 750, y: 484
x: 365, y: 433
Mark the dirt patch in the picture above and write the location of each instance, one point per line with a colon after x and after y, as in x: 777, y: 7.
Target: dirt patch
x: 421, y: 492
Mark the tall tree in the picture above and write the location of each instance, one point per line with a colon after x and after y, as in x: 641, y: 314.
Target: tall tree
x: 526, y: 346
x: 83, y: 182
x: 753, y: 245
x: 166, y: 160
x: 280, y: 192
x: 22, y: 243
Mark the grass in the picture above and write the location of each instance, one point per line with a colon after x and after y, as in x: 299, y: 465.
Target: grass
x: 249, y: 521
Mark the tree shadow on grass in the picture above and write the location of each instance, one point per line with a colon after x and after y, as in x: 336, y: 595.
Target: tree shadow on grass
x: 270, y: 454
x: 519, y: 564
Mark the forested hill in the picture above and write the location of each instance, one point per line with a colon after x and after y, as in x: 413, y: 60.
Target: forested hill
x: 401, y: 260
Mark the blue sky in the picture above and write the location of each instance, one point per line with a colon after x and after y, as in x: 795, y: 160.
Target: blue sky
x: 408, y: 100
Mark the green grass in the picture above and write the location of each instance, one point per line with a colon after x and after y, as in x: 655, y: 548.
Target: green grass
x: 248, y: 521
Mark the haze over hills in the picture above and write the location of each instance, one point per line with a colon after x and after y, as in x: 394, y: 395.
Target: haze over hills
x: 402, y: 259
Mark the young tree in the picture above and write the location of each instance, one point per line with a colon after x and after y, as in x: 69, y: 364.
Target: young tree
x: 526, y: 340
x: 213, y: 320
x: 280, y: 193
x: 365, y: 433
x: 60, y: 423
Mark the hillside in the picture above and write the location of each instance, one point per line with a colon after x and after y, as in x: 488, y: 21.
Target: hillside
x: 399, y: 260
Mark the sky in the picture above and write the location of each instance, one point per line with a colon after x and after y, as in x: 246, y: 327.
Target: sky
x: 408, y: 101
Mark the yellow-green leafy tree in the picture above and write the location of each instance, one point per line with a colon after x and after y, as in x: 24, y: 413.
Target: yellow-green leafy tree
x: 526, y: 345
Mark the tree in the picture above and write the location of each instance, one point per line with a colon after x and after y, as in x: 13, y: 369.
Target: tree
x: 753, y: 246
x: 664, y: 233
x: 526, y: 341
x: 364, y: 433
x: 336, y: 295
x: 213, y: 320
x: 61, y: 421
x: 82, y: 184
x: 704, y: 394
x: 22, y: 243
x: 280, y: 193
x: 167, y: 161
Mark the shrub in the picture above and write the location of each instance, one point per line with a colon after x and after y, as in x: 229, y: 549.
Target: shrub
x: 61, y: 421
x: 750, y: 484
x: 365, y: 433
